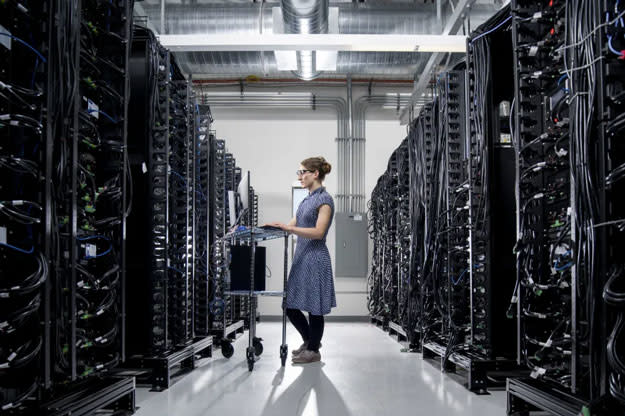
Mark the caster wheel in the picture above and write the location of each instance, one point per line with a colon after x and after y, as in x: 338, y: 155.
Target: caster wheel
x: 227, y: 349
x: 250, y: 358
x: 258, y: 346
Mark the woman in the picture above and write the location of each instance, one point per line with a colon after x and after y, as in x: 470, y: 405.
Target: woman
x: 310, y: 287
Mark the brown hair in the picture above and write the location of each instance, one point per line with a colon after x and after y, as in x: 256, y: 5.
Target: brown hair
x: 317, y: 164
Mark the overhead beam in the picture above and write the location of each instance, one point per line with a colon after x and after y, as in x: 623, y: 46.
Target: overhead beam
x: 452, y: 26
x: 317, y: 42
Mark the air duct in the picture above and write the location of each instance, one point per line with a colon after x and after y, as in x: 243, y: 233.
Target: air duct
x: 307, y: 17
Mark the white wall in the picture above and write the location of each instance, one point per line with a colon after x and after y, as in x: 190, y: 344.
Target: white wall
x: 271, y: 143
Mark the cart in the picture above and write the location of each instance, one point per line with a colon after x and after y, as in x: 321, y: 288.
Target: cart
x: 252, y: 236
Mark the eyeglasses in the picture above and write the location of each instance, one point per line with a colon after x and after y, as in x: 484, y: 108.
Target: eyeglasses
x: 300, y: 172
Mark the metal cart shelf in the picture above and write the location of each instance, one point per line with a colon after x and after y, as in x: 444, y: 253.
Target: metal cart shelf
x: 252, y: 236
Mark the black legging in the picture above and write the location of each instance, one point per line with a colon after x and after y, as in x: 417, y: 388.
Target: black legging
x: 312, y: 333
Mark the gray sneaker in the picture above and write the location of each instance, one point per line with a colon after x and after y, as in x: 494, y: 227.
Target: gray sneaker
x: 301, y: 349
x: 306, y: 357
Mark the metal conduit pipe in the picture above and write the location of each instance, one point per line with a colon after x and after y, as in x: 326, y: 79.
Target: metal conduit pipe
x: 350, y: 183
x: 264, y: 100
x: 362, y: 105
x: 350, y: 115
x: 341, y: 127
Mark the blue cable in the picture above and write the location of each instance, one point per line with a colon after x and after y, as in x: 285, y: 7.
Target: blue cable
x: 612, y: 47
x: 92, y: 237
x: 91, y: 110
x: 21, y: 250
x: 455, y: 283
x: 101, y: 254
x: 25, y: 44
x: 562, y: 268
x: 493, y: 29
x: 201, y: 194
x: 176, y: 270
x: 180, y: 176
x: 616, y: 11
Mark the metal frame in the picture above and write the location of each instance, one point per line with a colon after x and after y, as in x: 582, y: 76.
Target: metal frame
x: 252, y: 236
x: 161, y: 365
x: 477, y: 369
x: 111, y: 392
x: 526, y: 395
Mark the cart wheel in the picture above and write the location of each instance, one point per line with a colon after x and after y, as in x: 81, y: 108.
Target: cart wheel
x: 227, y: 349
x: 250, y: 358
x: 283, y: 353
x: 258, y: 346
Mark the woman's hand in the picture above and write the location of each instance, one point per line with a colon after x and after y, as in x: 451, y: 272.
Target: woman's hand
x: 285, y: 227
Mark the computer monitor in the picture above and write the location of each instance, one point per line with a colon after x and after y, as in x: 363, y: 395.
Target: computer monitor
x: 232, y: 208
x: 244, y: 190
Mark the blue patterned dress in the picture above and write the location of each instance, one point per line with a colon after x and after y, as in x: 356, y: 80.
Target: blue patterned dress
x: 310, y: 286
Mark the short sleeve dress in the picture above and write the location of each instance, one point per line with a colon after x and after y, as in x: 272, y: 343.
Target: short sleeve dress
x: 310, y: 286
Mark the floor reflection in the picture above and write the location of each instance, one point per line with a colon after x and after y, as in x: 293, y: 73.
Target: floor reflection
x: 312, y: 381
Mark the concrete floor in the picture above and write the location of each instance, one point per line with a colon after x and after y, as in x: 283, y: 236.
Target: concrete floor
x: 362, y: 372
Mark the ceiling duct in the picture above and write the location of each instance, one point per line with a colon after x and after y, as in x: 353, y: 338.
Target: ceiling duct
x: 305, y: 17
x: 372, y: 17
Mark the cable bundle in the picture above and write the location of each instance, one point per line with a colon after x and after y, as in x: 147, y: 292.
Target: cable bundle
x: 91, y: 179
x: 203, y: 120
x: 217, y: 230
x: 613, y: 291
x: 24, y: 245
x: 180, y: 249
x: 388, y: 222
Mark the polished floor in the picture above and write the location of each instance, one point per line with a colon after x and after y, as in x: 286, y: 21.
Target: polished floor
x: 362, y: 372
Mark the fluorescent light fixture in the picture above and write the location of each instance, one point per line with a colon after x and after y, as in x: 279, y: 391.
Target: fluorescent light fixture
x: 251, y: 94
x: 286, y: 60
x: 326, y: 60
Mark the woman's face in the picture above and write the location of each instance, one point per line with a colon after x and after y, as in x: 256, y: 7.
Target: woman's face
x: 306, y: 178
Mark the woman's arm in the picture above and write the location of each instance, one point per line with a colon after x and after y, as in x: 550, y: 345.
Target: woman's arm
x: 280, y: 225
x: 314, y: 233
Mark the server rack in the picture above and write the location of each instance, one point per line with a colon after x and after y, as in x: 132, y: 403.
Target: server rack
x: 169, y: 162
x: 65, y: 131
x: 491, y: 192
x: 202, y: 207
x: 91, y: 188
x: 610, y: 115
x: 180, y: 250
x: 567, y: 120
x: 401, y: 321
x: 457, y: 189
x: 26, y: 203
x: 150, y: 148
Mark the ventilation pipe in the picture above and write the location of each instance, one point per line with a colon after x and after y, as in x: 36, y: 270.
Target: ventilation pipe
x: 305, y: 17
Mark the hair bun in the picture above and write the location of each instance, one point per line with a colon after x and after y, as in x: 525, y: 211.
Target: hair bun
x: 317, y: 163
x: 327, y: 168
